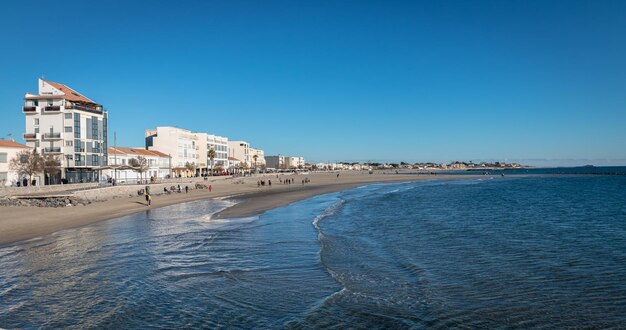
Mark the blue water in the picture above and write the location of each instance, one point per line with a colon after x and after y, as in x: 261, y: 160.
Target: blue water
x: 595, y: 170
x: 503, y: 252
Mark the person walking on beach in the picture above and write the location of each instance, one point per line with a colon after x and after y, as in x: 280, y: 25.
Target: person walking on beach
x: 149, y: 199
x: 186, y: 189
x: 210, y: 188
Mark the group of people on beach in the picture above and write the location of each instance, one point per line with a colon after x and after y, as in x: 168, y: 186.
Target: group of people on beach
x: 261, y: 183
x: 172, y: 189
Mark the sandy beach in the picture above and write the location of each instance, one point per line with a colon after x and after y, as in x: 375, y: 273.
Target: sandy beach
x: 19, y: 223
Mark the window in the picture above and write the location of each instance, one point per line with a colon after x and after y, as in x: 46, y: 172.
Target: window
x: 94, y: 127
x: 68, y: 143
x: 50, y: 102
x: 37, y: 144
x: 95, y: 159
x: 68, y: 129
x: 69, y: 157
x: 3, y: 157
x: 68, y: 115
x: 76, y: 145
x: 77, y: 125
x: 36, y: 130
x: 77, y: 159
x: 36, y: 121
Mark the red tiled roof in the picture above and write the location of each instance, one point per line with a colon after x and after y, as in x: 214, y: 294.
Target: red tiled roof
x: 70, y: 94
x: 11, y: 144
x: 233, y: 158
x: 135, y: 151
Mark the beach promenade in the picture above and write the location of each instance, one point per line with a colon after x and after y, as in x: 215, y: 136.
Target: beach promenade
x: 20, y: 223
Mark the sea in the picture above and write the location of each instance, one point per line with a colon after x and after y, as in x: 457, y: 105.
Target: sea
x: 515, y: 251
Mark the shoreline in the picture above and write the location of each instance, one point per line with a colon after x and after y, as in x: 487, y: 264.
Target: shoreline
x: 20, y: 223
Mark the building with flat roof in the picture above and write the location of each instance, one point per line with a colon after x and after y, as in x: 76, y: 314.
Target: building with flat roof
x: 70, y: 126
x: 219, y: 145
x: 275, y: 162
x: 281, y: 162
x: 190, y: 151
x: 241, y: 151
x: 257, y: 157
x: 180, y: 144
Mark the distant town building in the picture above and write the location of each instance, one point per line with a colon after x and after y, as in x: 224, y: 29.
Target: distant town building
x: 294, y: 162
x: 275, y: 162
x: 180, y: 144
x: 8, y: 151
x: 120, y: 163
x: 258, y: 161
x: 241, y: 151
x: 64, y: 123
x: 219, y: 144
x: 280, y: 162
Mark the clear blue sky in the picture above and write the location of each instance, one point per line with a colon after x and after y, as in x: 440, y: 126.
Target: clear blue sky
x: 338, y: 80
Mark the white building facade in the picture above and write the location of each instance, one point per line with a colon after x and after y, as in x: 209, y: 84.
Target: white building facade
x: 294, y: 162
x: 258, y: 162
x: 284, y: 162
x: 8, y: 151
x: 64, y: 123
x: 240, y: 150
x: 219, y: 145
x: 275, y: 162
x: 181, y: 144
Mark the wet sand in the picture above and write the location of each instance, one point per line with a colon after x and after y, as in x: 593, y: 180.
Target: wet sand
x: 19, y: 223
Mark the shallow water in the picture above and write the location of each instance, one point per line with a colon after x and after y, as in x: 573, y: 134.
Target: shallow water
x: 506, y: 252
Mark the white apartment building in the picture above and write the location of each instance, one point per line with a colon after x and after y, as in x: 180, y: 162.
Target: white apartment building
x: 240, y: 150
x: 294, y: 162
x: 120, y: 160
x: 181, y: 144
x: 62, y: 122
x: 259, y: 161
x: 284, y: 162
x: 8, y: 151
x: 220, y: 145
x: 275, y: 162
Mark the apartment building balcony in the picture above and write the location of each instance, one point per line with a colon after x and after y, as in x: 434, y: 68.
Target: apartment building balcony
x: 30, y: 136
x: 52, y: 109
x: 29, y: 110
x: 52, y: 136
x: 52, y: 150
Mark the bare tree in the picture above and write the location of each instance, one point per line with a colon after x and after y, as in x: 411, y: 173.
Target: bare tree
x: 27, y: 163
x: 52, y: 166
x: 139, y: 165
x: 255, y: 159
